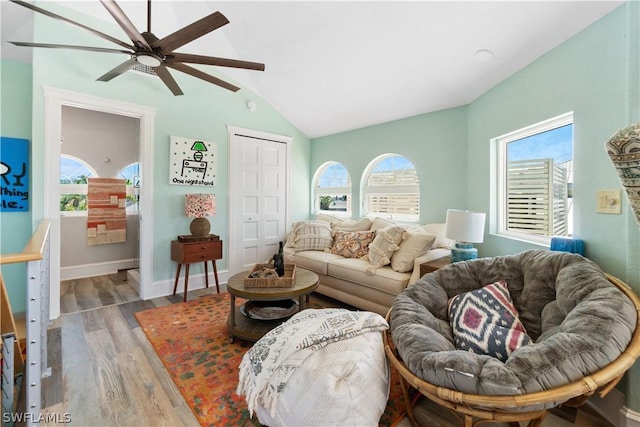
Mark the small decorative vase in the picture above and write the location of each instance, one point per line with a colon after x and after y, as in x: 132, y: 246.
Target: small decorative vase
x: 623, y: 149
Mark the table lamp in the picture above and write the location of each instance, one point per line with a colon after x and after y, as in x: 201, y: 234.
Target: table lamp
x: 466, y: 228
x: 198, y: 207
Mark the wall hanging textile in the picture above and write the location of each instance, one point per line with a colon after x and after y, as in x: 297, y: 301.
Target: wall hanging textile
x: 107, y: 216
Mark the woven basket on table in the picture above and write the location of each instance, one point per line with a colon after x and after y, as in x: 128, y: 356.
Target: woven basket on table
x: 286, y: 281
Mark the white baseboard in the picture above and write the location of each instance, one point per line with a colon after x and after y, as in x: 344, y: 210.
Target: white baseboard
x: 612, y: 408
x: 629, y: 418
x: 96, y: 269
x: 196, y: 281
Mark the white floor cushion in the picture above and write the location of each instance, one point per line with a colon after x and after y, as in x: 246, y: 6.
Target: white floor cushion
x: 345, y: 383
x: 321, y: 367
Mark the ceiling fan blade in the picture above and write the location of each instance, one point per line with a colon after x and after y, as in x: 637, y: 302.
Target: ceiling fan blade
x: 68, y: 46
x: 69, y: 21
x: 204, y: 76
x: 126, y: 24
x: 191, y: 32
x: 212, y: 60
x: 168, y: 80
x: 122, y: 68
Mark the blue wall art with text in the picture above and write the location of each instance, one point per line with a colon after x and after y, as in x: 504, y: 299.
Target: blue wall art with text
x: 14, y: 174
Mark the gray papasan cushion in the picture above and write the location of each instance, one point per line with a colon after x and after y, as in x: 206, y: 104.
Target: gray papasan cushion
x: 578, y: 320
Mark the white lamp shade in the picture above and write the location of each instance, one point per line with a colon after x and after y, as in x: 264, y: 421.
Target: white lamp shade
x: 465, y: 226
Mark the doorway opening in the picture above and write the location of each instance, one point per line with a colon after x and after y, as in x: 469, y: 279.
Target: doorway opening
x: 57, y: 104
x: 97, y: 146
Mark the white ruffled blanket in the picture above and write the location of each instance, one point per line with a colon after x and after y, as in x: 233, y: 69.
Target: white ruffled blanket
x: 267, y: 366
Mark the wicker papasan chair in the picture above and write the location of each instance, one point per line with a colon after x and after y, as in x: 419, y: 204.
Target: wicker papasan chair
x: 578, y: 334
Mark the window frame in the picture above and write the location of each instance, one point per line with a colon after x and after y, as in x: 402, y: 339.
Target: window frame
x: 499, y: 176
x: 80, y: 189
x: 331, y: 191
x: 132, y: 189
x: 367, y: 190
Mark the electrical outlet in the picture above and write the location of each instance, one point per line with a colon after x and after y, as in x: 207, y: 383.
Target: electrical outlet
x: 609, y: 202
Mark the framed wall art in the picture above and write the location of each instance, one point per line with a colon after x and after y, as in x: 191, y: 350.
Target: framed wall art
x: 14, y: 174
x: 192, y: 162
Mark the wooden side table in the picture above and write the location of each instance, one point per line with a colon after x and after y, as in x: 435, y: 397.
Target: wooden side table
x: 433, y: 265
x: 190, y: 252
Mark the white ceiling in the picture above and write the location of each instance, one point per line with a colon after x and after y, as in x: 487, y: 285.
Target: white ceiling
x: 335, y: 66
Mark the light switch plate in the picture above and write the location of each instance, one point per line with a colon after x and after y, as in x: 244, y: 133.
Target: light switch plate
x: 609, y: 202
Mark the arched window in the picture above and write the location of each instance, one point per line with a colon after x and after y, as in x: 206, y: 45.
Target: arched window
x: 131, y: 174
x: 73, y: 183
x: 391, y: 188
x: 332, y: 189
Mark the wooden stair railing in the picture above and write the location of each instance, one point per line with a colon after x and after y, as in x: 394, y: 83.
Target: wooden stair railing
x: 12, y: 367
x: 36, y: 255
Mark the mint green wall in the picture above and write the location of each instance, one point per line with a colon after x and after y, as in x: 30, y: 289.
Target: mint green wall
x: 595, y: 75
x: 203, y: 112
x: 589, y: 76
x: 435, y: 143
x: 15, y: 121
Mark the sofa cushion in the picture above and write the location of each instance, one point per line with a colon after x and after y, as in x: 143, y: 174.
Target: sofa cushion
x: 384, y: 245
x: 331, y: 219
x: 345, y: 224
x: 316, y: 261
x: 485, y: 321
x: 363, y: 224
x: 312, y: 236
x: 355, y: 270
x: 352, y: 244
x: 380, y: 223
x: 439, y: 230
x: 416, y: 244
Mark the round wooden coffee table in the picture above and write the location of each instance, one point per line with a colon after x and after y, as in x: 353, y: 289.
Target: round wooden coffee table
x: 249, y: 329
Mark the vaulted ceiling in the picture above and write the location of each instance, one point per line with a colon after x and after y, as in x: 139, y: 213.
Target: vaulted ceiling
x: 335, y: 66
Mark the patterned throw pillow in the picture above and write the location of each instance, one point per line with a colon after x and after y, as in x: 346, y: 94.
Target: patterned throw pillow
x: 485, y: 321
x: 352, y: 244
x: 385, y: 244
x: 312, y: 236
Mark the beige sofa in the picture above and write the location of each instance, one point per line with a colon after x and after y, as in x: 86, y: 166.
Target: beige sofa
x: 358, y: 280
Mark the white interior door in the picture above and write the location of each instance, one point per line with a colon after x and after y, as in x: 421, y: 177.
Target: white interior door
x: 258, y: 165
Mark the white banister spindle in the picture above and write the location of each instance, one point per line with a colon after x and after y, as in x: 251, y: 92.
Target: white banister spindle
x: 8, y: 397
x: 37, y: 315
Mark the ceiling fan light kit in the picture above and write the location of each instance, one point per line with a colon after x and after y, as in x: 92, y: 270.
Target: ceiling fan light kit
x: 146, y: 49
x: 149, y: 59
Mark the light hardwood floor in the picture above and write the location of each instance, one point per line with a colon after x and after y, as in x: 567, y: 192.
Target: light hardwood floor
x: 105, y: 372
x: 96, y: 292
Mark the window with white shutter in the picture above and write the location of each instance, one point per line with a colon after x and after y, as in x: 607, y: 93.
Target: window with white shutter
x: 534, y: 177
x: 391, y: 189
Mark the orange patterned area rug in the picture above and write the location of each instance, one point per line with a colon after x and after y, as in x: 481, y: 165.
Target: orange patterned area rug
x: 192, y: 340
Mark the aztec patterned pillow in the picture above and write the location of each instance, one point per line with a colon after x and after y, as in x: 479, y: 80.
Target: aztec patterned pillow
x: 352, y: 244
x: 485, y: 321
x: 312, y: 236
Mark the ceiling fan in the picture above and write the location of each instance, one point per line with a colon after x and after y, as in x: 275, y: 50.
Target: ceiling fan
x: 146, y: 49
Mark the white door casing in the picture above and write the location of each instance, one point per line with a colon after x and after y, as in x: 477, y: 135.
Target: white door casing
x: 54, y: 100
x: 259, y: 202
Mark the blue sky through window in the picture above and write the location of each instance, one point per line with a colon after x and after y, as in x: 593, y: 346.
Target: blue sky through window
x: 72, y: 170
x: 130, y: 173
x: 556, y: 144
x: 335, y: 175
